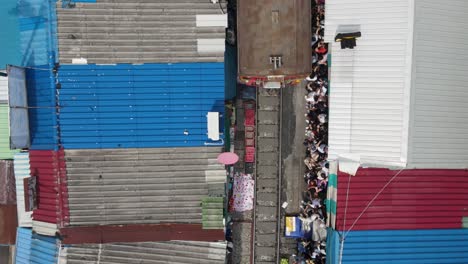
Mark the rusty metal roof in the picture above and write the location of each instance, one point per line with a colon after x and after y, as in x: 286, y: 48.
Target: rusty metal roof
x: 7, y: 182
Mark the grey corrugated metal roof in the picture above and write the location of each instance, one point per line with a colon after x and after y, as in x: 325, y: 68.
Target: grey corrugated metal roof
x: 134, y: 186
x: 173, y: 252
x: 137, y: 31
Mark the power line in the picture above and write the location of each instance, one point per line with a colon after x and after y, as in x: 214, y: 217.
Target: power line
x: 344, y: 235
x: 373, y: 199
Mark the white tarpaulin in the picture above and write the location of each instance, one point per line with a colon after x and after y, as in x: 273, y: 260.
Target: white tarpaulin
x: 349, y: 163
x: 18, y: 101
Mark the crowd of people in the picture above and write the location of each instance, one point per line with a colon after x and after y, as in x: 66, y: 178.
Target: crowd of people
x: 313, y: 215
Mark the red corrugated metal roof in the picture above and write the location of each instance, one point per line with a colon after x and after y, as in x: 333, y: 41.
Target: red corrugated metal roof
x: 139, y: 233
x: 49, y: 167
x: 415, y: 199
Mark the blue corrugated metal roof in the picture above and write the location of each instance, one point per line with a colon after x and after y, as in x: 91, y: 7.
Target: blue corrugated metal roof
x: 402, y: 247
x: 38, y: 28
x: 38, y: 38
x: 44, y: 250
x: 23, y: 246
x: 34, y: 248
x: 42, y: 114
x: 148, y: 105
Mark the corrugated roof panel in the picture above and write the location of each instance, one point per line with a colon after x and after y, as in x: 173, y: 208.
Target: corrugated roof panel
x: 21, y: 167
x: 40, y: 86
x: 403, y: 247
x: 3, y: 89
x: 5, y: 152
x: 23, y: 246
x: 415, y: 199
x: 38, y: 27
x: 44, y: 250
x: 136, y: 186
x: 144, y: 106
x: 35, y: 249
x: 7, y: 182
x: 138, y: 31
x: 44, y: 228
x: 49, y: 167
x: 333, y: 246
x: 213, y: 212
x: 175, y: 252
x: 440, y: 109
x: 129, y: 233
x: 368, y: 84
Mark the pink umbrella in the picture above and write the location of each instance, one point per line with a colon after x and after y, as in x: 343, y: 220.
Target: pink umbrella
x: 228, y: 158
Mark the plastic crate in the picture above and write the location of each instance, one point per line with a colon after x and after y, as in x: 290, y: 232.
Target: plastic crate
x: 250, y: 142
x: 249, y: 105
x: 249, y: 154
x: 249, y: 129
x: 249, y: 116
x: 249, y: 135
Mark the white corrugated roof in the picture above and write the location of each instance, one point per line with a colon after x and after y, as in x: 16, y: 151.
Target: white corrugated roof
x: 394, y: 102
x: 3, y: 88
x: 21, y: 167
x: 368, y: 84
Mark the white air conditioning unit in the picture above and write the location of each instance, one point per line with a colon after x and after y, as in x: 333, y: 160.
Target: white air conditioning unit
x: 214, y: 1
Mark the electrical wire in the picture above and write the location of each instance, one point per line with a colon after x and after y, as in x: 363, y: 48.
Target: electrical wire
x: 346, y: 203
x: 35, y: 107
x: 373, y: 199
x: 344, y: 235
x: 221, y: 6
x: 33, y: 68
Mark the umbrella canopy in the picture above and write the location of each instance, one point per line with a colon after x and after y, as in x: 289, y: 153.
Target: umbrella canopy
x: 228, y: 158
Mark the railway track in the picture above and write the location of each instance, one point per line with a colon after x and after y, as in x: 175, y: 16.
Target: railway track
x: 267, y: 227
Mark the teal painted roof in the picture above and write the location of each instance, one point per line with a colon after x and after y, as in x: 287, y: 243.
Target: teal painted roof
x: 9, y: 35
